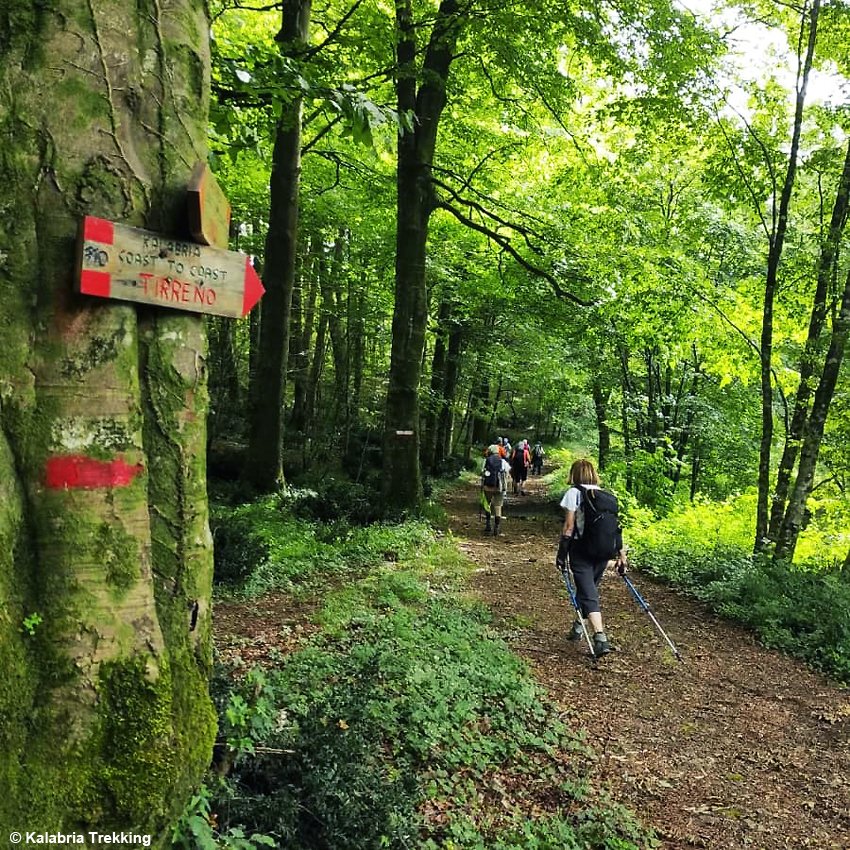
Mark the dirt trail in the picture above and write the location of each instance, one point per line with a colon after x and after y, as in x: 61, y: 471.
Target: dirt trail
x: 737, y: 747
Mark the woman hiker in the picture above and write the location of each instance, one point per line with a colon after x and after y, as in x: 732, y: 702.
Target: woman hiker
x: 590, y: 553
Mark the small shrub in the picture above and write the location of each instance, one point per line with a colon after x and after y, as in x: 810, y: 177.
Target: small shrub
x: 237, y: 551
x: 803, y: 613
x: 333, y: 499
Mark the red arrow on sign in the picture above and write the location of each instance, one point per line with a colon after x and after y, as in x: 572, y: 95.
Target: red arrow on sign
x: 254, y: 289
x: 116, y: 261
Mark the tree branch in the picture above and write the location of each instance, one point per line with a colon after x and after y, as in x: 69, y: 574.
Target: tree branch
x: 504, y: 242
x: 334, y: 33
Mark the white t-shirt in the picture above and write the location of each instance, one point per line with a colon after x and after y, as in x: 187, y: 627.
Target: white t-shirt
x: 572, y: 498
x: 572, y: 502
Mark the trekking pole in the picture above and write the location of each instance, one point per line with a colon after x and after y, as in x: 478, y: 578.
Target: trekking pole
x: 645, y: 605
x: 565, y: 574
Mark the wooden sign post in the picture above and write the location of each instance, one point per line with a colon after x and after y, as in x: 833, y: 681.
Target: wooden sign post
x: 137, y: 265
x: 209, y: 209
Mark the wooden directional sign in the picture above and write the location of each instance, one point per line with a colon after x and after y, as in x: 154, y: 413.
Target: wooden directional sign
x: 209, y: 209
x: 137, y: 265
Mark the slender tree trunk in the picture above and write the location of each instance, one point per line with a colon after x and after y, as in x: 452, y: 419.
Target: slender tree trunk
x: 224, y: 388
x: 264, y: 466
x: 446, y: 413
x: 465, y: 431
x: 315, y: 373
x: 356, y: 335
x: 302, y: 360
x: 651, y: 405
x: 695, y: 470
x: 334, y: 307
x: 493, y: 422
x: 628, y: 447
x: 479, y: 402
x: 828, y: 254
x: 105, y: 551
x: 600, y: 404
x: 793, y: 520
x: 254, y: 341
x: 777, y: 243
x: 402, y: 478
x: 438, y: 377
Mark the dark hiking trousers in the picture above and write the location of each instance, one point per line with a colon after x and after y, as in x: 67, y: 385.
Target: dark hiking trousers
x: 587, y: 574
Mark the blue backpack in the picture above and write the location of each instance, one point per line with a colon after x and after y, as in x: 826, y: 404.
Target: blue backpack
x: 491, y: 476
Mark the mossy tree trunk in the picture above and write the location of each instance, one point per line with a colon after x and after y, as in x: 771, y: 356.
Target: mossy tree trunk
x: 105, y: 717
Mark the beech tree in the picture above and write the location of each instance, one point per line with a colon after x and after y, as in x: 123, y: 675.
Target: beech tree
x: 264, y: 462
x: 105, y: 551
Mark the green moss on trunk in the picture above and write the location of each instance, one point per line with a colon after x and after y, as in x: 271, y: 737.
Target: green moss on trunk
x: 105, y: 717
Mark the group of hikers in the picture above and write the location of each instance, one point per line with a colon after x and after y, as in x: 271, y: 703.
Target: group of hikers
x: 591, y: 536
x: 503, y: 461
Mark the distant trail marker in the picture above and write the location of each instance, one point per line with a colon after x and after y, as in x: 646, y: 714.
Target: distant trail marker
x: 129, y: 264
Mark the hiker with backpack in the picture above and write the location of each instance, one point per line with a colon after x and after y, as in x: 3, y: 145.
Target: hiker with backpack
x: 519, y: 466
x: 591, y: 539
x: 493, y: 486
x: 537, y: 455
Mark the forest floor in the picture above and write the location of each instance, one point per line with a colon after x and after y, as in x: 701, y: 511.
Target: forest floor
x: 734, y: 747
x: 737, y: 746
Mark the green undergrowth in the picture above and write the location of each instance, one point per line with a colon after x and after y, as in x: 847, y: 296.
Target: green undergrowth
x: 403, y: 722
x: 263, y: 545
x: 704, y: 548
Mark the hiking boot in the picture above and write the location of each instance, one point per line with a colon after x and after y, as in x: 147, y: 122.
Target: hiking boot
x: 576, y: 631
x: 600, y: 644
x: 487, y: 525
x: 496, y: 524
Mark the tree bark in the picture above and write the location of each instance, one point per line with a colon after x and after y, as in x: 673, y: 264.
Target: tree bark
x: 264, y: 463
x: 600, y: 404
x: 224, y: 388
x: 105, y: 548
x: 777, y: 243
x: 356, y: 336
x: 302, y: 358
x: 315, y: 374
x: 445, y: 418
x: 793, y: 520
x: 430, y: 458
x: 826, y: 263
x: 402, y: 478
x: 335, y: 308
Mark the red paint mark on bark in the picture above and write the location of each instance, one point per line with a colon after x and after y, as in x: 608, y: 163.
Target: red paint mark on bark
x: 95, y: 283
x: 99, y: 230
x: 78, y: 472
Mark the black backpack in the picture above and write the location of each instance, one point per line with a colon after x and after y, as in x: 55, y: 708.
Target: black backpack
x: 601, y: 538
x: 492, y: 472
